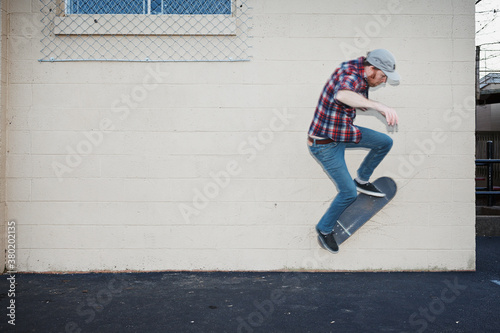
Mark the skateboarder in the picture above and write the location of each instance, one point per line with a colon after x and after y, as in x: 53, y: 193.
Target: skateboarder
x: 332, y: 131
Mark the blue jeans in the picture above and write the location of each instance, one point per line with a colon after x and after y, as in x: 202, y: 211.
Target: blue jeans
x: 332, y: 158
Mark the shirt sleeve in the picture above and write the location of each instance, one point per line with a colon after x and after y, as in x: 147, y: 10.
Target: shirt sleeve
x: 348, y: 82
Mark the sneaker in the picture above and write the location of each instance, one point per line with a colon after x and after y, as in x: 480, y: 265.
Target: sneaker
x: 369, y: 189
x: 328, y: 241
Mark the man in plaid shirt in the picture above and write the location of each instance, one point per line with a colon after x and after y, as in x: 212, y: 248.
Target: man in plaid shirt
x: 332, y: 131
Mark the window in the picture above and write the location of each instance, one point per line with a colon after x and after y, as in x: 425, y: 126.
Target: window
x: 156, y: 7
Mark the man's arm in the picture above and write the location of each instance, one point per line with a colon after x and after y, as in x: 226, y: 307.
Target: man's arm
x: 356, y: 100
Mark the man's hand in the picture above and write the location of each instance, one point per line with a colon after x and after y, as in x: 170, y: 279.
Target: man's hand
x: 389, y: 113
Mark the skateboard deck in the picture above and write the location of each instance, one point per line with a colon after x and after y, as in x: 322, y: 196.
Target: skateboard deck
x: 363, y: 209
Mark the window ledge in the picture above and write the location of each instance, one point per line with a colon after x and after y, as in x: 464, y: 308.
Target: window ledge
x: 107, y: 24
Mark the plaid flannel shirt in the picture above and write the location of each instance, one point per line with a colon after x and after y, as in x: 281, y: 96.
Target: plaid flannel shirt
x: 333, y: 119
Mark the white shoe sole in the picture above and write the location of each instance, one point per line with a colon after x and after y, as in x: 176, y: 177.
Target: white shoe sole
x: 373, y: 194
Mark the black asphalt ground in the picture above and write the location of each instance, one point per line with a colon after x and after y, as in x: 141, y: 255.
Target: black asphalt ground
x: 260, y: 302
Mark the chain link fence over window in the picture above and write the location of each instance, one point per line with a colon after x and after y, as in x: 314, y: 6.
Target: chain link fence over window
x: 145, y: 30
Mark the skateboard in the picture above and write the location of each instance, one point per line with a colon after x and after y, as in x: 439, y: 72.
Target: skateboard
x: 363, y: 209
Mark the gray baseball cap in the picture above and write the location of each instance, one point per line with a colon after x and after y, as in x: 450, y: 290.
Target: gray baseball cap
x: 384, y: 60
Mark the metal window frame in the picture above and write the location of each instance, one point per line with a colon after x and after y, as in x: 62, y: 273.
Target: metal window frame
x: 146, y: 6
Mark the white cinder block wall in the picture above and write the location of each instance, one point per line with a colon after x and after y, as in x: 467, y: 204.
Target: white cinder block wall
x: 3, y: 110
x: 204, y: 166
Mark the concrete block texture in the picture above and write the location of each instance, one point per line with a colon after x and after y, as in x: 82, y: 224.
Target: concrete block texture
x: 6, y: 233
x: 204, y: 166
